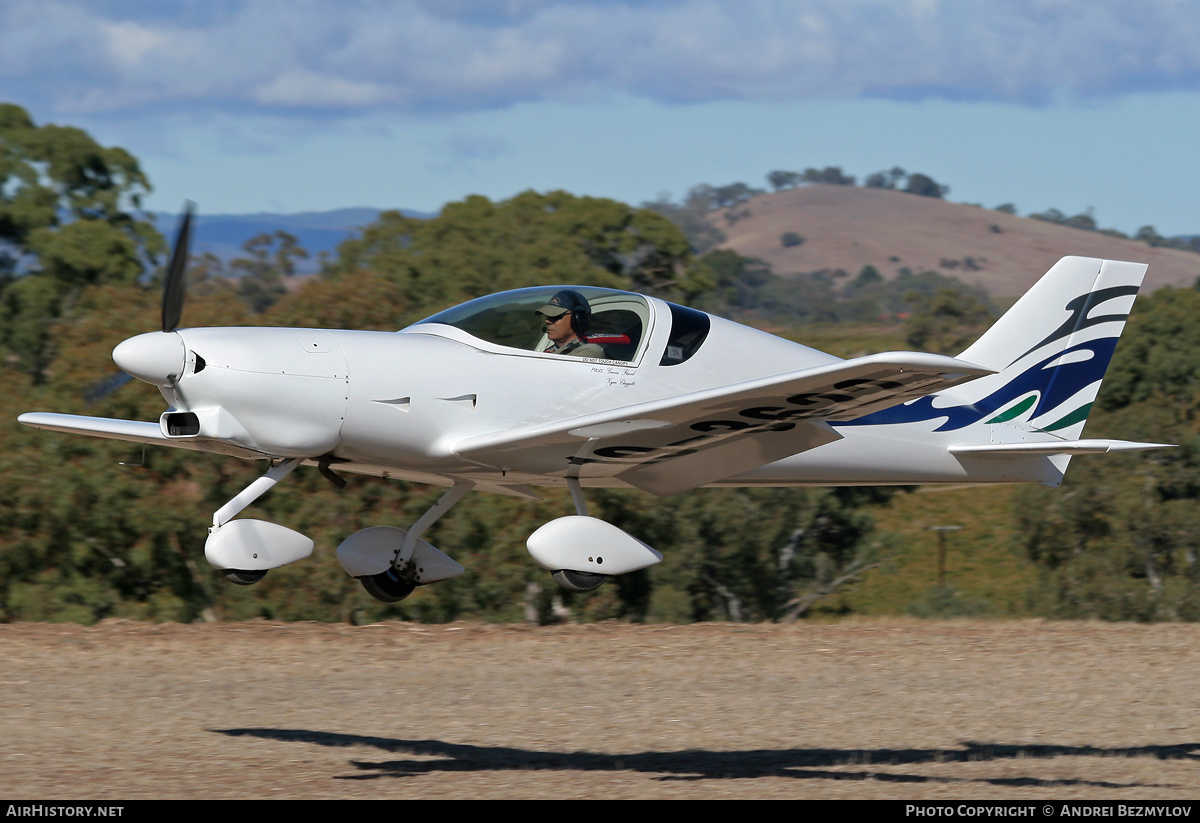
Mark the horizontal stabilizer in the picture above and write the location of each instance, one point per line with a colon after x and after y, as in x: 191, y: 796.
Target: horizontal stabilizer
x: 1055, y: 447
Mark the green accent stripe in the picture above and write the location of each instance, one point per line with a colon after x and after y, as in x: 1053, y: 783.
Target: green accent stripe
x: 1077, y: 416
x: 1015, y: 411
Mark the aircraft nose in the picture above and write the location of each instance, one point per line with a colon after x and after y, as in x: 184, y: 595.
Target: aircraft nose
x: 157, y: 357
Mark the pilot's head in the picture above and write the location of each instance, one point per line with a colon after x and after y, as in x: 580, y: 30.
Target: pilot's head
x: 566, y: 315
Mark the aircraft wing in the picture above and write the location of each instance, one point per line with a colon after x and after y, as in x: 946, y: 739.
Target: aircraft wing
x: 133, y: 431
x: 683, y: 442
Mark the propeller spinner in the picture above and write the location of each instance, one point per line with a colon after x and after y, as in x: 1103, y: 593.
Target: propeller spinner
x: 155, y: 357
x: 158, y: 358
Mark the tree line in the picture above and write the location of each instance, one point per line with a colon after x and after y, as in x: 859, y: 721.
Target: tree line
x: 92, y: 529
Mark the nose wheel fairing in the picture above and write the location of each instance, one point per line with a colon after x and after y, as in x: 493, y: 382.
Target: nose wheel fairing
x: 380, y: 549
x: 391, y: 562
x: 254, y: 545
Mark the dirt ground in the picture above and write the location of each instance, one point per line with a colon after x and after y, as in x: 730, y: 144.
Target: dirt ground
x: 904, y: 709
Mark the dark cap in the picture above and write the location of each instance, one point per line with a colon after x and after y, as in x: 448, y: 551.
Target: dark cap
x: 563, y: 302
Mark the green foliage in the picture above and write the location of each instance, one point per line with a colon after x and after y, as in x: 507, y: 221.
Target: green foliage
x: 723, y: 197
x: 885, y: 179
x: 49, y: 172
x: 272, y: 259
x: 790, y: 238
x: 477, y: 247
x: 1121, y: 539
x: 946, y: 321
x: 739, y: 280
x: 828, y: 176
x: 897, y: 178
x: 1084, y: 221
x: 1146, y: 234
x: 63, y: 226
x: 784, y: 180
x: 1150, y: 237
x: 1156, y: 361
x: 353, y: 300
x: 747, y: 289
x: 740, y: 554
x: 948, y: 602
x: 868, y: 277
x: 693, y: 215
x: 83, y: 537
x: 923, y: 185
x: 690, y: 217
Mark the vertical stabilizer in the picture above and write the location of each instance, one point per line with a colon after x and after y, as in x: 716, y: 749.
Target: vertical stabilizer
x: 1051, y: 349
x: 1049, y: 352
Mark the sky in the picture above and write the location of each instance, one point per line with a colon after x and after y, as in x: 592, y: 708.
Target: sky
x: 309, y: 105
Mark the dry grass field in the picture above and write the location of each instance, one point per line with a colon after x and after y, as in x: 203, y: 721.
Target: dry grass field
x: 848, y: 227
x: 884, y: 709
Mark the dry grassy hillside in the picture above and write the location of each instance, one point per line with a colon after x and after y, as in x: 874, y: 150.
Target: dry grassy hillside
x: 847, y: 228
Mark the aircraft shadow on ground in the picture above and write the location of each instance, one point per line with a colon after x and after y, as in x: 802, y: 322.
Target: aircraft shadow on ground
x: 700, y: 764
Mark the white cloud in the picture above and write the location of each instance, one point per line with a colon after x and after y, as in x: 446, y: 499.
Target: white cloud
x: 463, y: 55
x: 299, y: 87
x: 127, y: 43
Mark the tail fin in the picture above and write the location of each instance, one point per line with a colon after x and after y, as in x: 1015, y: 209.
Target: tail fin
x: 1051, y: 349
x: 1049, y: 352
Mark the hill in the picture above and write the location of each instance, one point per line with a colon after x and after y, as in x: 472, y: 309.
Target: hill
x: 846, y: 227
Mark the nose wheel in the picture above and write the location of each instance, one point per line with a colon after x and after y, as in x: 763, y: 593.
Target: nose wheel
x: 387, y: 587
x: 411, y: 561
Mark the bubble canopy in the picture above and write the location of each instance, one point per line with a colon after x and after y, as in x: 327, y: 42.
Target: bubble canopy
x: 619, y: 319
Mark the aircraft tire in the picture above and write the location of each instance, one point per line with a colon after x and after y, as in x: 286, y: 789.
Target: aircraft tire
x: 386, y: 588
x: 574, y: 581
x: 244, y: 577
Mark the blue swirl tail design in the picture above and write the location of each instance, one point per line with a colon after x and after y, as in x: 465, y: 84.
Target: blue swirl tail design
x: 1050, y: 352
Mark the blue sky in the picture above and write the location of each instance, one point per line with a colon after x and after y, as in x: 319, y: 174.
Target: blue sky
x: 309, y: 105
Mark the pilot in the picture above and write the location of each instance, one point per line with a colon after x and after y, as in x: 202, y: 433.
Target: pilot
x: 567, y: 316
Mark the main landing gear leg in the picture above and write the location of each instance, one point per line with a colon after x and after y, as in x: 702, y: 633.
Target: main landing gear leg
x: 244, y: 550
x: 400, y: 579
x: 254, y: 491
x: 577, y: 496
x: 570, y: 580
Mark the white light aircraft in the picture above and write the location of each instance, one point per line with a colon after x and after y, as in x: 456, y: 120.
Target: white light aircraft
x: 675, y: 399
